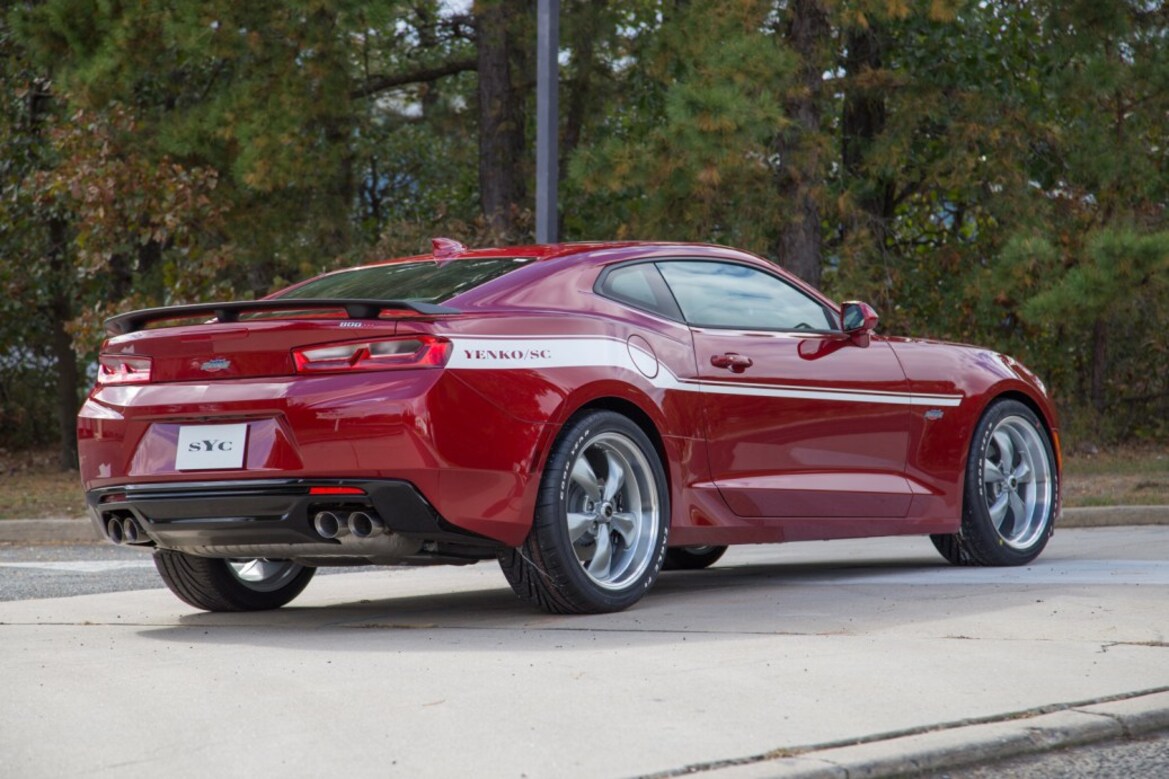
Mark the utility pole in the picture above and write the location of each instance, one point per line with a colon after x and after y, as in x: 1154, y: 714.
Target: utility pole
x: 547, y: 114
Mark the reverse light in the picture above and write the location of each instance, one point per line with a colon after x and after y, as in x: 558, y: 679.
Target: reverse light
x: 419, y: 351
x: 122, y: 369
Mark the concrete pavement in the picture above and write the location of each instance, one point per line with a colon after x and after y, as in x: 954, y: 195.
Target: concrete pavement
x: 845, y: 658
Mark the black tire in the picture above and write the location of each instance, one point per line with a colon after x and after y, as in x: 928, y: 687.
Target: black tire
x: 613, y: 551
x: 692, y: 558
x: 1011, y: 490
x: 226, y: 585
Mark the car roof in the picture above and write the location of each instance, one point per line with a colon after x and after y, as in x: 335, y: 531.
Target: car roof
x: 582, y: 252
x: 602, y: 251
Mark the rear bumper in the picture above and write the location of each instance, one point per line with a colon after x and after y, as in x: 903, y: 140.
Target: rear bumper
x: 273, y: 518
x: 474, y: 462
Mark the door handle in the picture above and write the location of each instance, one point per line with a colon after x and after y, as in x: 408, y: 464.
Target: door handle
x: 735, y: 363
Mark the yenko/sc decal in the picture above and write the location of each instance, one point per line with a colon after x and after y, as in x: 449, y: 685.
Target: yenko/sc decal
x: 508, y: 354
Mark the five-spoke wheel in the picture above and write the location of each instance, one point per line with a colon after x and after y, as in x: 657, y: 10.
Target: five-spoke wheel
x: 601, y: 523
x: 690, y: 558
x: 612, y: 510
x: 231, y: 585
x: 1011, y: 489
x: 1017, y: 481
x: 262, y: 574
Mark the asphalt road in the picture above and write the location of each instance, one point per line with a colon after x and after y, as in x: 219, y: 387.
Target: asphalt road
x: 778, y: 650
x: 63, y: 571
x: 53, y: 571
x: 1141, y: 758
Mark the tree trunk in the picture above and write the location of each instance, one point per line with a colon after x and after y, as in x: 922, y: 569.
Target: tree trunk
x: 500, y: 47
x: 797, y: 146
x: 580, y: 87
x: 61, y: 307
x: 1099, y: 365
x: 60, y: 300
x: 584, y: 32
x: 862, y: 121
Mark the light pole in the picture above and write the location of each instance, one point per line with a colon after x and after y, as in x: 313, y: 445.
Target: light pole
x: 547, y: 126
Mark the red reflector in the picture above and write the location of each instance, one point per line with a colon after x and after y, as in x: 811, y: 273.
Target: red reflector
x: 335, y: 491
x: 115, y: 497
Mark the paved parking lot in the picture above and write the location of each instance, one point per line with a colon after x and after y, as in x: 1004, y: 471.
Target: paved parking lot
x: 442, y: 671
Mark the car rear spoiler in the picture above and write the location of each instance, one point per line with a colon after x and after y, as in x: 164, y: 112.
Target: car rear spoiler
x: 230, y: 312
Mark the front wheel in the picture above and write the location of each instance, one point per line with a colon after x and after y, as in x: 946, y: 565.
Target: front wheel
x: 692, y: 558
x: 1012, y: 488
x: 212, y: 584
x: 602, y: 518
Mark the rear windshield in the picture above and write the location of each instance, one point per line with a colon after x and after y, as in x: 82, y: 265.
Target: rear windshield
x: 426, y: 282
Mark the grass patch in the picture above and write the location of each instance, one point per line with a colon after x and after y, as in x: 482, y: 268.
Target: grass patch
x: 1125, y: 476
x: 32, y: 487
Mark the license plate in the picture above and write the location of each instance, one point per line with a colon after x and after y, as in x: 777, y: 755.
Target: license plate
x: 211, y: 447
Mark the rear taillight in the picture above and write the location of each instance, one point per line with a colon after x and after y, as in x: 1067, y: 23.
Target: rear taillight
x: 418, y: 351
x: 335, y: 491
x: 122, y: 369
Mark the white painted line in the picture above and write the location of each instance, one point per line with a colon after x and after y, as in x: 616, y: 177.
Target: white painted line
x: 1073, y: 572
x: 84, y: 566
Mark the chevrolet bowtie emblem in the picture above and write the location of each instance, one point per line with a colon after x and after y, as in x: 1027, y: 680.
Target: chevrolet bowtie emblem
x: 217, y: 364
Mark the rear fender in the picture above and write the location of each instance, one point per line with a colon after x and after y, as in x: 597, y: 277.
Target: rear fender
x: 680, y: 455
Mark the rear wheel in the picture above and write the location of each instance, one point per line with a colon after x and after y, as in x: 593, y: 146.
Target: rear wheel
x: 1011, y: 490
x: 690, y: 558
x: 231, y: 585
x: 598, y: 538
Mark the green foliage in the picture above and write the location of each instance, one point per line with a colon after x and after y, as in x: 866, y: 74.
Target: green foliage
x: 984, y: 170
x: 28, y: 371
x: 1118, y: 287
x: 1121, y: 272
x: 684, y: 150
x: 144, y: 231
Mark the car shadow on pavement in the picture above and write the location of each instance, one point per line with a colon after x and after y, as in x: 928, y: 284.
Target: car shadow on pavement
x: 724, y: 601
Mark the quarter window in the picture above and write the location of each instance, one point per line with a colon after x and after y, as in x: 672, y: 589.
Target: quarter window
x: 641, y: 286
x: 723, y: 294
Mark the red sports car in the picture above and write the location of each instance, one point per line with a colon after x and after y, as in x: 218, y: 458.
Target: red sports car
x: 587, y: 414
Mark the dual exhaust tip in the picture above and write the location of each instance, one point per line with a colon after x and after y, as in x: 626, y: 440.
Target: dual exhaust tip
x: 359, y: 524
x: 328, y: 524
x: 125, y: 530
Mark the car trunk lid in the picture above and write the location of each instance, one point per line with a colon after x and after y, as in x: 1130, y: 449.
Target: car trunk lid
x: 213, y: 342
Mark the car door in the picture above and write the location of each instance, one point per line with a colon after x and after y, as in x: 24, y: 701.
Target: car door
x: 801, y: 420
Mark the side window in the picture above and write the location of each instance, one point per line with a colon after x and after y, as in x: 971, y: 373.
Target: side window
x: 724, y: 294
x: 641, y: 286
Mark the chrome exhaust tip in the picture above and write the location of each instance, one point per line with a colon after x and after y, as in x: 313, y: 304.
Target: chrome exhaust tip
x: 364, y: 525
x: 131, y: 533
x: 329, y: 525
x: 114, y: 531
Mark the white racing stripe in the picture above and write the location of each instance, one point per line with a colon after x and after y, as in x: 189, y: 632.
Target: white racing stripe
x: 839, y: 395
x: 508, y: 352
x: 544, y: 352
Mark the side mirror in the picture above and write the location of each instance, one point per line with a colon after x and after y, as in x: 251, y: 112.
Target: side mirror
x: 858, y: 320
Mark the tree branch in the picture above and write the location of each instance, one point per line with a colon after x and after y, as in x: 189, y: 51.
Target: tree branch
x: 381, y: 82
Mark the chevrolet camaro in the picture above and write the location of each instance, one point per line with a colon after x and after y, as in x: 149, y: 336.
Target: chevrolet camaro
x: 585, y: 414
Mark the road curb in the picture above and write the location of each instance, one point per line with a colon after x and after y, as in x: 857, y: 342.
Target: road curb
x: 961, y: 745
x: 80, y: 531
